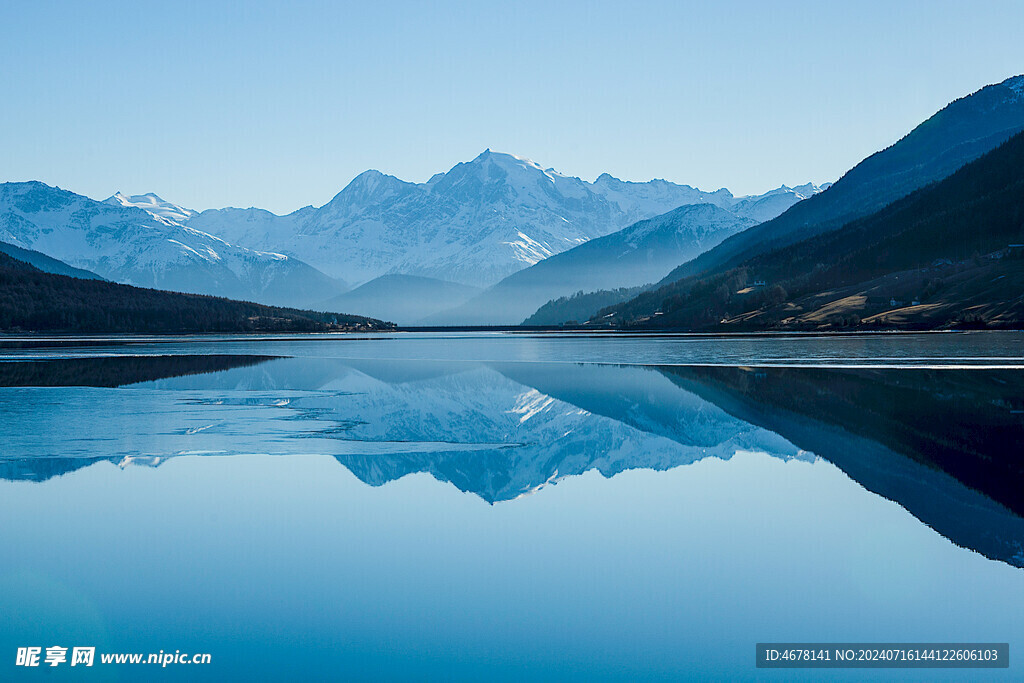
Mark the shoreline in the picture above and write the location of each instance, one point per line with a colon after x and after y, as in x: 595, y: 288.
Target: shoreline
x: 469, y: 329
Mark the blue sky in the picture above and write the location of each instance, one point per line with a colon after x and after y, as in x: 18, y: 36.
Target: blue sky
x: 279, y: 105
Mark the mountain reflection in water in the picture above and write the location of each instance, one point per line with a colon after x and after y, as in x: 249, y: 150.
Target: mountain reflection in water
x: 944, y: 444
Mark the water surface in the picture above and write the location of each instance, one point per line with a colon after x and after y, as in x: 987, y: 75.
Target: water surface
x: 509, y: 506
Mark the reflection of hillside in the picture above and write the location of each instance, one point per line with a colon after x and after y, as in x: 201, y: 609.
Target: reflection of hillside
x: 465, y: 423
x: 944, y: 444
x: 115, y: 371
x: 41, y: 469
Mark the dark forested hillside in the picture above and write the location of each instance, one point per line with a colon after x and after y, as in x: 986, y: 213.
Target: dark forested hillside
x: 34, y: 301
x: 947, y: 255
x: 961, y: 132
x: 580, y: 306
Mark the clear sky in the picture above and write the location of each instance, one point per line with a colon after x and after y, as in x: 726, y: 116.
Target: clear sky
x: 279, y: 105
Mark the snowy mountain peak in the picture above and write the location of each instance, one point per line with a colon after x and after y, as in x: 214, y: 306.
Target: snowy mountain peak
x: 808, y: 189
x: 372, y: 184
x: 363, y: 196
x: 369, y: 179
x: 497, y: 179
x: 512, y: 166
x: 164, y: 211
x: 506, y: 159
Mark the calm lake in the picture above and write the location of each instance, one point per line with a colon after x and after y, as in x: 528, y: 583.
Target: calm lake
x: 506, y: 506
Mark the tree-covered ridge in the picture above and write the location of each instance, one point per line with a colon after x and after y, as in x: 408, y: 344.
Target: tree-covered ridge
x: 946, y: 255
x: 31, y: 300
x: 571, y: 310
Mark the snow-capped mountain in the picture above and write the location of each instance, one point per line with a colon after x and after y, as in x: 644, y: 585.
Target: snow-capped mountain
x: 127, y: 244
x: 163, y: 211
x: 476, y: 224
x: 640, y: 254
x: 761, y: 208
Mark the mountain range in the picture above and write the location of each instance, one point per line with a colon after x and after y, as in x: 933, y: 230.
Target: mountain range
x: 435, y: 244
x: 476, y: 224
x: 484, y: 218
x: 129, y: 245
x: 498, y: 238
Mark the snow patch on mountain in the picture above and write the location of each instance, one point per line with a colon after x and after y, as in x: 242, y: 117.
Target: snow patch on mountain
x: 163, y: 211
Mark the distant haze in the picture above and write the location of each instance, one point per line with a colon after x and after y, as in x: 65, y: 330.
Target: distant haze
x: 280, y: 105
